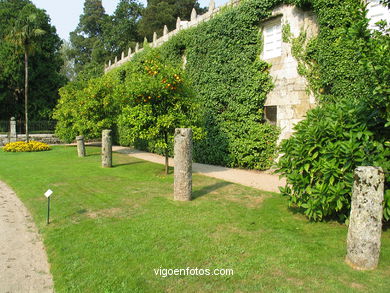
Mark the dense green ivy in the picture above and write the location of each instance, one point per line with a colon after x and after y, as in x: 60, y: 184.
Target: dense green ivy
x: 232, y: 83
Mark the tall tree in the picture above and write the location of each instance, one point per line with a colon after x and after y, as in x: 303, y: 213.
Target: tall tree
x: 121, y: 32
x: 43, y: 70
x: 165, y: 12
x: 87, y: 39
x: 24, y: 35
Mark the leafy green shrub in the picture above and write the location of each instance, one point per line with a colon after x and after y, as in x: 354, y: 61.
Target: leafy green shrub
x: 319, y: 159
x: 86, y: 108
x: 22, y: 146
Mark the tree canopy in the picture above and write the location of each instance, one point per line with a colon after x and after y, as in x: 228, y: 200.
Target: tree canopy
x: 87, y: 38
x: 44, y: 65
x: 165, y: 12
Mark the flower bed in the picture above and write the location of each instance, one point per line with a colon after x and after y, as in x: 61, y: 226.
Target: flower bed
x: 22, y: 146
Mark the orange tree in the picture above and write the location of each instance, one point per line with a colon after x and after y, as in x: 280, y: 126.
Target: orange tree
x: 156, y: 101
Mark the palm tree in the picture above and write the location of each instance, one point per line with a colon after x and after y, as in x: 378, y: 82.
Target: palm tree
x: 24, y: 35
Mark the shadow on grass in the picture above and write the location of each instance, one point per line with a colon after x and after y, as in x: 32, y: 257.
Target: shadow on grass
x: 130, y: 163
x: 93, y: 154
x: 207, y: 189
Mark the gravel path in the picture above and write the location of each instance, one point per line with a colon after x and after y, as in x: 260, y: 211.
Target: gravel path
x: 23, y: 261
x: 260, y: 180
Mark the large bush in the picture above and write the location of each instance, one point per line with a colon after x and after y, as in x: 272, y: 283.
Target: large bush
x: 320, y: 158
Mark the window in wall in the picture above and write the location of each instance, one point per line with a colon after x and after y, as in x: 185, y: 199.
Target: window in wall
x: 377, y: 12
x: 272, y: 35
x: 271, y: 114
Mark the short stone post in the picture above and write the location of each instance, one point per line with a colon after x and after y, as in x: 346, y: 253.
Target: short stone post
x: 12, y: 130
x: 106, y: 149
x: 80, y: 146
x: 183, y: 164
x: 365, y: 223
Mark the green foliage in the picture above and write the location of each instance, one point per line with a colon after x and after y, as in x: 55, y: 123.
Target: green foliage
x: 44, y: 65
x: 232, y: 83
x: 86, y: 108
x: 87, y: 38
x: 158, y: 101
x: 319, y: 160
x: 165, y: 12
x: 227, y: 79
x: 120, y: 32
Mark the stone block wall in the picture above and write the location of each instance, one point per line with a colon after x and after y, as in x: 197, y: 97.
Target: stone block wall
x: 46, y: 138
x: 290, y: 94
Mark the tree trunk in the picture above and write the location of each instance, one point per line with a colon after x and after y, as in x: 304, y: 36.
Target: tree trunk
x: 166, y: 154
x: 26, y: 94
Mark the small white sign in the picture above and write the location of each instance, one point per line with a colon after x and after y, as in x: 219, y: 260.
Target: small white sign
x: 48, y: 192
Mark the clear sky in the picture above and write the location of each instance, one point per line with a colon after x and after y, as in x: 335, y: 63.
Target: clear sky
x: 65, y: 14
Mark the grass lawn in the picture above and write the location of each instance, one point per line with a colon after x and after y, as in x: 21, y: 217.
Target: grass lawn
x: 111, y: 228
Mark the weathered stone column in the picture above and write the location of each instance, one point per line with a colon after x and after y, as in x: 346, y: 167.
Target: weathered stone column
x: 183, y: 164
x: 365, y: 223
x: 12, y: 130
x: 80, y: 146
x: 106, y: 149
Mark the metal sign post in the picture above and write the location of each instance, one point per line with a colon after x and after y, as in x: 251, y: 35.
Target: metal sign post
x: 48, y: 193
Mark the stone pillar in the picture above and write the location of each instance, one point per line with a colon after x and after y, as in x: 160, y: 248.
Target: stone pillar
x: 183, y: 164
x: 365, y: 223
x: 106, y: 149
x: 12, y: 130
x: 116, y: 59
x: 123, y: 56
x: 80, y: 146
x: 109, y: 63
x: 129, y: 52
x: 136, y: 47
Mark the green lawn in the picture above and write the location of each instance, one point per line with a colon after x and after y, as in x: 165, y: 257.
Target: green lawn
x: 112, y: 227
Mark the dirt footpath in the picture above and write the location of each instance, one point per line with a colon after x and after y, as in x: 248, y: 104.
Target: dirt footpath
x: 23, y: 261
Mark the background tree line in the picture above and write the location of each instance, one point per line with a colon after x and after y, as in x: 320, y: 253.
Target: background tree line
x: 100, y: 37
x: 52, y: 62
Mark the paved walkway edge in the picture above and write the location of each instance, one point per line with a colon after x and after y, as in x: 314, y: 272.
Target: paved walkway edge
x: 23, y: 260
x: 255, y: 179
